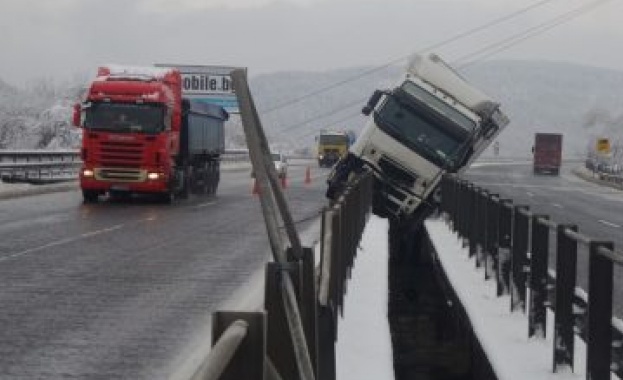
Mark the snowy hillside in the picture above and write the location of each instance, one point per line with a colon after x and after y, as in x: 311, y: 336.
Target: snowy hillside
x: 581, y: 102
x: 37, y: 117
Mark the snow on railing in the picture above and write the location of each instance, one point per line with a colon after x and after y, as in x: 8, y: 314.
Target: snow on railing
x: 513, y: 245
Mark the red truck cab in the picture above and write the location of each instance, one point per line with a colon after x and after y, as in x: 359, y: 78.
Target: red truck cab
x: 547, y: 153
x: 130, y: 119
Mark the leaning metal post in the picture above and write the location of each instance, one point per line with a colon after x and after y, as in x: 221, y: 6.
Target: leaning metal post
x: 266, y: 176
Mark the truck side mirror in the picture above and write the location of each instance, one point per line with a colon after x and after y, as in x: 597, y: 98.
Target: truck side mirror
x: 76, y: 115
x: 374, y: 99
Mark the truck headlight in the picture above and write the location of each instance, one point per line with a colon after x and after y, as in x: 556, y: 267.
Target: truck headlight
x: 87, y: 173
x: 153, y: 176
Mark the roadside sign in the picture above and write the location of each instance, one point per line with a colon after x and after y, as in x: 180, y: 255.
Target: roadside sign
x: 603, y: 145
x: 210, y: 84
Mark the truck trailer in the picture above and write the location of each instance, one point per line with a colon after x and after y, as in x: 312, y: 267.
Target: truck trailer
x: 547, y: 153
x: 431, y: 123
x: 141, y: 136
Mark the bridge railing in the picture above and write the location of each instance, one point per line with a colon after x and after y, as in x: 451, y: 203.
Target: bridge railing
x: 259, y: 345
x: 514, y: 245
x: 40, y: 166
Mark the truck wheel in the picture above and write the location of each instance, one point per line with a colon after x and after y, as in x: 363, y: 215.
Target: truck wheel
x: 216, y: 177
x: 208, y: 187
x: 90, y: 196
x: 186, y: 183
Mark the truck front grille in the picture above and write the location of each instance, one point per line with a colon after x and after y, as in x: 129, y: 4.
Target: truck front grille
x: 120, y: 154
x: 120, y: 174
x: 396, y: 173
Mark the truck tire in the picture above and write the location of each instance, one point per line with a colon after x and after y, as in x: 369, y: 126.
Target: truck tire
x: 186, y: 182
x: 90, y: 196
x: 215, y: 178
x: 206, y: 179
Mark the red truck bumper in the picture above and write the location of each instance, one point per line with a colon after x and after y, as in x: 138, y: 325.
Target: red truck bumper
x: 92, y: 182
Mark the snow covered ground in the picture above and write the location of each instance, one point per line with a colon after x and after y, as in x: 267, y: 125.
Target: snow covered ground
x: 503, y: 335
x: 364, y: 347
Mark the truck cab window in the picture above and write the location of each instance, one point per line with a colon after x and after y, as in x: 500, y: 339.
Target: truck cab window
x: 125, y: 117
x: 419, y: 133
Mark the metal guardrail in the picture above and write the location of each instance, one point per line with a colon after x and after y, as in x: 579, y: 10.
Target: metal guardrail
x: 37, y: 166
x: 616, y: 179
x: 294, y: 338
x: 40, y: 166
x: 265, y: 349
x: 513, y: 245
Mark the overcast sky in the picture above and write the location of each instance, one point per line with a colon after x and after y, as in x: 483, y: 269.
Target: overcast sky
x: 68, y: 38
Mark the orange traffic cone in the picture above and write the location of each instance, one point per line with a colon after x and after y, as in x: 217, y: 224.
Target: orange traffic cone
x: 308, y: 176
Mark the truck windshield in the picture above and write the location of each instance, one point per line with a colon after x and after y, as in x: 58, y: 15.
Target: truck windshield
x: 425, y: 130
x: 332, y: 140
x: 443, y: 108
x: 125, y: 117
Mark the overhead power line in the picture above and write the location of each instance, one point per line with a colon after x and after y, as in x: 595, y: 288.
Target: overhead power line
x: 511, y: 41
x: 397, y: 60
x: 487, y: 51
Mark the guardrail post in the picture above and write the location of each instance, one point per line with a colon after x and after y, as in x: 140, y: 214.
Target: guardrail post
x: 537, y: 325
x: 460, y: 210
x: 504, y: 246
x: 481, y: 225
x: 307, y: 302
x: 466, y: 210
x: 519, y: 259
x: 248, y: 360
x: 327, y: 328
x: 335, y: 286
x: 280, y: 348
x: 566, y: 267
x: 453, y: 202
x: 446, y: 196
x: 327, y: 336
x: 491, y: 236
x: 473, y: 217
x: 599, y: 337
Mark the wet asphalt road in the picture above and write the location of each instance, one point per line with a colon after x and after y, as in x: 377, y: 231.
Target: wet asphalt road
x: 119, y: 290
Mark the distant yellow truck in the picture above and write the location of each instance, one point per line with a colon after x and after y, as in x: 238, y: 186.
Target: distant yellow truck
x: 331, y: 147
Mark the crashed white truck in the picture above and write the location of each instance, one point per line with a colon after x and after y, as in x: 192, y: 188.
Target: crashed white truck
x: 433, y: 122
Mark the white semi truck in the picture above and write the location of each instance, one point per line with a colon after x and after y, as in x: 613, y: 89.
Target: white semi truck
x: 432, y: 122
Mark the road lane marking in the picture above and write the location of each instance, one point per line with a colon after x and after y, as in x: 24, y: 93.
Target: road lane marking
x: 202, y: 205
x: 530, y: 194
x: 557, y: 205
x: 61, y: 242
x: 607, y: 223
